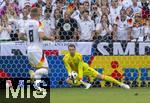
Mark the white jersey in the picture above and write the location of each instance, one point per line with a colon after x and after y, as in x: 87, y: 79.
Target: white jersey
x: 114, y: 12
x: 32, y: 29
x: 103, y: 31
x: 122, y: 30
x: 34, y: 50
x: 49, y: 25
x: 137, y: 32
x: 86, y: 29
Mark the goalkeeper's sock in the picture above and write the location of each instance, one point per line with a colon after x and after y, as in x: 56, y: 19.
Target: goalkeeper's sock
x: 87, y: 85
x: 110, y: 79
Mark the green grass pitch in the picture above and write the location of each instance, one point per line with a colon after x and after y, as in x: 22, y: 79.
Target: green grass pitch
x: 100, y: 95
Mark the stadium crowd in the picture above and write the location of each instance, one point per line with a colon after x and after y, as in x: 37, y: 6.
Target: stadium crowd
x: 79, y: 20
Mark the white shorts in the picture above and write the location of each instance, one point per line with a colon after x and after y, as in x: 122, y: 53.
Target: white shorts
x: 36, y: 57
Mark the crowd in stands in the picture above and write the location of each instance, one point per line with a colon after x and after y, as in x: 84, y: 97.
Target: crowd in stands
x: 79, y: 20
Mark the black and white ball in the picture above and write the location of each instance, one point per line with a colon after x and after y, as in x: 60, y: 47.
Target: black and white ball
x: 74, y: 74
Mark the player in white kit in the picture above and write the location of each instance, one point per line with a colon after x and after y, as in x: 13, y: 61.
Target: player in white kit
x: 35, y: 34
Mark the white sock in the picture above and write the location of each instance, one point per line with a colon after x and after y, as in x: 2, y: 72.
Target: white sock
x: 84, y: 83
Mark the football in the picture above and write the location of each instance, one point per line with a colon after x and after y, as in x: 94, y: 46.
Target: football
x: 74, y: 74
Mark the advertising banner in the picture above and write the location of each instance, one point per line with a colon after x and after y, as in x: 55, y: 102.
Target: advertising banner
x: 50, y: 48
x: 121, y: 48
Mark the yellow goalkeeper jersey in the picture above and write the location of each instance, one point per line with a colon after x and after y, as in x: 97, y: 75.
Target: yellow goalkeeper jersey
x: 74, y: 63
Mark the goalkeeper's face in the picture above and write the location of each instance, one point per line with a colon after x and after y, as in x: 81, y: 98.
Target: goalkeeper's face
x: 72, y: 51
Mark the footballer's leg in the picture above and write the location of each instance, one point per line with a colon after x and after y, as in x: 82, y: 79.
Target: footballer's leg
x: 42, y: 70
x: 37, y: 60
x: 94, y: 73
x: 110, y: 79
x: 32, y: 53
x: 87, y: 85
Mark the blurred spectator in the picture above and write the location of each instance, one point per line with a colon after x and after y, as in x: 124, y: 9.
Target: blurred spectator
x: 76, y: 3
x: 57, y: 16
x: 145, y: 8
x: 41, y: 17
x: 25, y: 11
x: 48, y: 6
x: 121, y: 17
x: 60, y: 4
x: 22, y: 3
x: 86, y: 5
x: 27, y: 6
x: 67, y: 28
x: 104, y: 29
x: 39, y: 3
x: 147, y: 30
x: 126, y: 3
x: 87, y: 27
x: 137, y: 29
x: 5, y: 28
x: 4, y: 3
x: 114, y: 10
x: 96, y: 13
x: 104, y: 2
x: 12, y: 19
x: 22, y: 21
x: 130, y: 12
x: 122, y: 30
x: 11, y: 13
x: 105, y: 10
x: 49, y: 25
x: 137, y: 6
x: 77, y: 13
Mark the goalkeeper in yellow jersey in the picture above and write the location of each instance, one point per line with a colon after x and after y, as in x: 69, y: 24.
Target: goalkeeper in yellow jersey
x: 73, y: 62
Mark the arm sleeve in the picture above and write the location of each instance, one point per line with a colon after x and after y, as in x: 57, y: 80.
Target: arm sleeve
x: 80, y: 68
x: 67, y: 66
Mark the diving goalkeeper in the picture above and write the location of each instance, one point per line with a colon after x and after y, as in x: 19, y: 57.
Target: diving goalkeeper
x: 73, y: 62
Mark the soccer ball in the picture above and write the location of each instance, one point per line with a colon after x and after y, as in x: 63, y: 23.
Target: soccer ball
x: 74, y: 74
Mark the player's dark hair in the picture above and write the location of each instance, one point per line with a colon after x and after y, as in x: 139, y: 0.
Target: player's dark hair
x: 71, y: 45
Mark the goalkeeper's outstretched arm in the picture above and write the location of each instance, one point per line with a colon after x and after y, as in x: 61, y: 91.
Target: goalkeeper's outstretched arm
x: 67, y: 66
